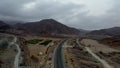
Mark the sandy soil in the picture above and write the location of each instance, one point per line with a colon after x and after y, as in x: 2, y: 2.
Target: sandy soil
x: 96, y: 47
x: 76, y: 57
x: 112, y: 56
x: 45, y: 58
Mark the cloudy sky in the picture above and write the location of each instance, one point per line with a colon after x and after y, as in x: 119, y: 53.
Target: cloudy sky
x: 85, y: 14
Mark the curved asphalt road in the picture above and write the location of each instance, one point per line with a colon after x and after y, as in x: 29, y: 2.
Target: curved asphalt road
x: 58, y: 61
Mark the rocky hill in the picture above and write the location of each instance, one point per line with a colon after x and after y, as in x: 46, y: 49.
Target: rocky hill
x: 47, y: 27
x: 4, y: 27
x: 114, y: 32
x: 112, y: 42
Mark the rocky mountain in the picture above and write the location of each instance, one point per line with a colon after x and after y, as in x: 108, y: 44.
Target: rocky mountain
x: 2, y: 23
x: 4, y: 27
x: 7, y: 28
x: 115, y: 31
x: 112, y: 42
x: 47, y: 27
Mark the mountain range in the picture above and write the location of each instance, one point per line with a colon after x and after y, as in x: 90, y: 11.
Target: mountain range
x: 4, y: 27
x: 46, y: 27
x: 114, y: 32
x: 51, y: 27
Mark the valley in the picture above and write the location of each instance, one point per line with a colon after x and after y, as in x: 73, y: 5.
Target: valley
x: 50, y: 44
x: 59, y: 33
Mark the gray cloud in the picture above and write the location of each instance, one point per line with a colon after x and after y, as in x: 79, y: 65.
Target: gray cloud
x: 69, y: 13
x: 42, y: 9
x: 110, y: 19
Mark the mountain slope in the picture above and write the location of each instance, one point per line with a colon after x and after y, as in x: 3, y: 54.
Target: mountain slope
x: 48, y: 27
x: 115, y: 31
x: 4, y: 26
x: 7, y: 28
x: 112, y: 42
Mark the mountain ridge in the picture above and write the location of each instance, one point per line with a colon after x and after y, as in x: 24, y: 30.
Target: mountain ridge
x: 48, y: 27
x: 114, y: 31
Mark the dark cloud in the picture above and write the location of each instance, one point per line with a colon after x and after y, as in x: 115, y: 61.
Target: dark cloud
x: 42, y: 9
x: 110, y: 19
x: 66, y: 12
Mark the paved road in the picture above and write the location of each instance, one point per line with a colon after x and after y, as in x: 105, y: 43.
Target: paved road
x: 58, y: 56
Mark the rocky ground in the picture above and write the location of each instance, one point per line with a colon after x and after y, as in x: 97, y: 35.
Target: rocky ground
x: 7, y: 51
x: 39, y: 53
x: 111, y: 42
x: 77, y: 57
x: 111, y: 55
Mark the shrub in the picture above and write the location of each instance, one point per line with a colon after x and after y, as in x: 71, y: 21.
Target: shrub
x: 46, y: 42
x: 33, y: 41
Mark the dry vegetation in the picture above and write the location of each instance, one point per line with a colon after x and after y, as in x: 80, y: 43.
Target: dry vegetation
x: 96, y: 47
x: 112, y: 42
x: 112, y: 56
x: 77, y: 57
x: 41, y: 51
x: 7, y: 55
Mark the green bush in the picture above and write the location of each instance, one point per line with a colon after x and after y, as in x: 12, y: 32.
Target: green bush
x: 46, y: 42
x: 33, y: 41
